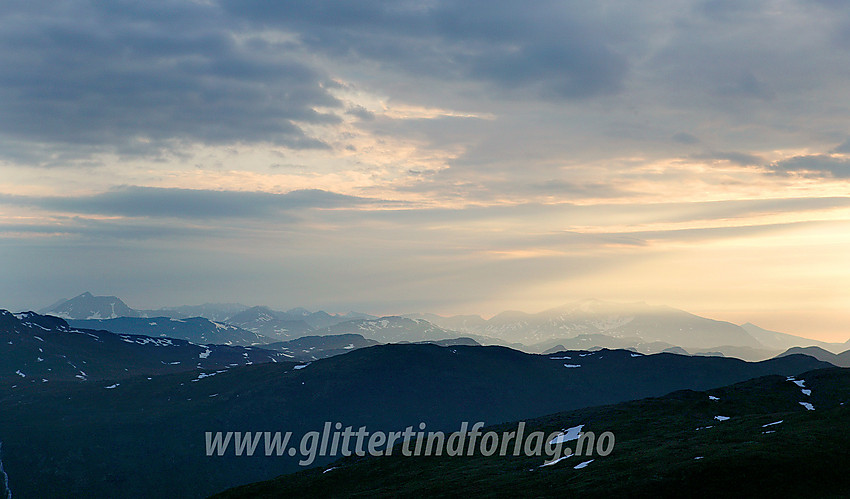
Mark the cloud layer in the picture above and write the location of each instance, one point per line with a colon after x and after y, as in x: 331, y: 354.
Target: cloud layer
x: 137, y: 78
x: 134, y: 201
x: 439, y: 154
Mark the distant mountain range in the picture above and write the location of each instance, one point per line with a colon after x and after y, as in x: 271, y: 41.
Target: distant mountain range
x: 634, y: 320
x: 87, y: 306
x: 588, y: 324
x: 594, y: 323
x: 218, y: 312
x: 263, y: 321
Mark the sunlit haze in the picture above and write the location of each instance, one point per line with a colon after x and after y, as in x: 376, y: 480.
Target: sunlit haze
x: 446, y: 157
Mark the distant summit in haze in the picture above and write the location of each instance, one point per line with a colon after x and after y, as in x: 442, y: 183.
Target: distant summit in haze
x: 88, y: 306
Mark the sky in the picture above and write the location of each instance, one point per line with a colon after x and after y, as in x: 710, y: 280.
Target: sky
x: 444, y: 156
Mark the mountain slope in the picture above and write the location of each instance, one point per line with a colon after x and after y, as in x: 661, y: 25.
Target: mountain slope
x: 57, y: 436
x: 321, y: 319
x: 768, y: 445
x: 196, y: 329
x: 270, y: 323
x: 291, y: 324
x: 455, y: 322
x: 37, y: 349
x: 320, y: 347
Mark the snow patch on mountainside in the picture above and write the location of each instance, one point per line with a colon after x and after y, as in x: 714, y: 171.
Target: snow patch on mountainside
x: 582, y: 465
x: 556, y: 461
x: 807, y: 392
x: 143, y: 340
x: 567, y: 435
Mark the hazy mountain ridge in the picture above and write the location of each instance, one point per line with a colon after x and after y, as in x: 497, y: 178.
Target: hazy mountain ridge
x: 270, y: 323
x: 626, y: 325
x: 218, y: 312
x: 842, y: 359
x: 392, y: 329
x: 588, y: 317
x: 599, y: 341
x: 783, y: 341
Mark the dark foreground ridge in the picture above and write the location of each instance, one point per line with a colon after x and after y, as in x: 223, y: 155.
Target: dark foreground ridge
x: 680, y: 445
x: 145, y: 436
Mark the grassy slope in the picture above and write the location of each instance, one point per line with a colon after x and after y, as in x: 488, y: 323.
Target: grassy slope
x: 657, y: 443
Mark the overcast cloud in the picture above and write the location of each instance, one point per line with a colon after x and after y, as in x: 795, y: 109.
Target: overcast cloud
x: 517, y: 154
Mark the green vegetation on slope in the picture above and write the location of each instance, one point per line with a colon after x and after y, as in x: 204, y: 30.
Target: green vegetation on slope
x: 659, y: 451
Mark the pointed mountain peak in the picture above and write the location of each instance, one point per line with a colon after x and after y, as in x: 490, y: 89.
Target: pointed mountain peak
x: 88, y: 306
